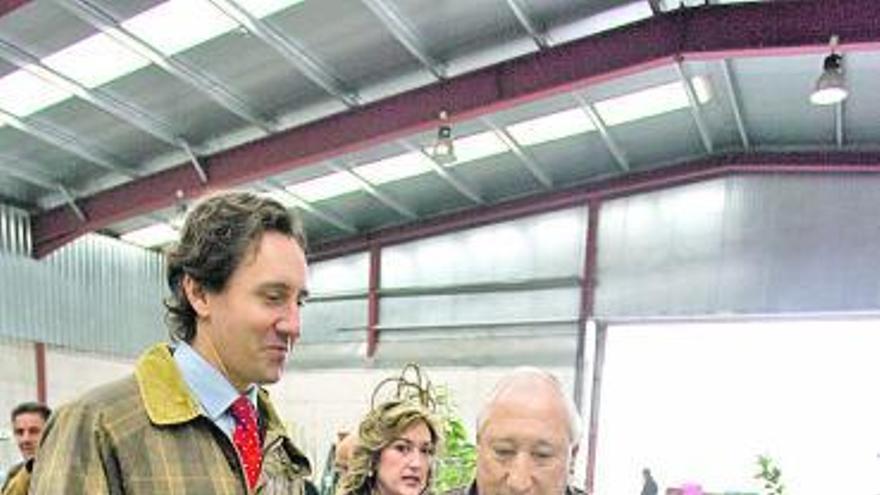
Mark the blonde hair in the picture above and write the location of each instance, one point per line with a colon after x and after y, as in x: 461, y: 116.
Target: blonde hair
x: 384, y: 424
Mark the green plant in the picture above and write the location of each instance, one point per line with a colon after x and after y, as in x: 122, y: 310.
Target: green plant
x: 457, y: 459
x: 770, y: 475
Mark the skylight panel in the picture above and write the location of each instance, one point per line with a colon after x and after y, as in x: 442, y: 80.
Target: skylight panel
x: 22, y: 93
x: 395, y: 168
x: 650, y: 102
x: 95, y: 60
x: 263, y: 8
x: 477, y: 146
x: 176, y: 25
x: 550, y: 127
x: 151, y: 236
x: 328, y: 186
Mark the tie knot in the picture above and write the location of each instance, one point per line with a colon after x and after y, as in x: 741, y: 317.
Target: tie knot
x: 242, y: 410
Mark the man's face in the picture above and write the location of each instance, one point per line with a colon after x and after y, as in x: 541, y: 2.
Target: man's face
x: 27, y: 428
x: 523, y: 448
x: 253, y: 323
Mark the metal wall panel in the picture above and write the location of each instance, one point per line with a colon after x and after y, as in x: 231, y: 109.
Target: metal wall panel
x: 541, y: 246
x: 334, y: 321
x: 15, y: 231
x: 742, y: 245
x: 345, y: 274
x: 462, y: 309
x: 97, y: 294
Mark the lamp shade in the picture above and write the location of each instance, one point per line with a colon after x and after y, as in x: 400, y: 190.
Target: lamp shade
x: 831, y: 85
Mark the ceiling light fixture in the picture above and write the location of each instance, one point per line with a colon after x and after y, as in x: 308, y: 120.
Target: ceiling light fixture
x: 443, y: 151
x: 831, y: 85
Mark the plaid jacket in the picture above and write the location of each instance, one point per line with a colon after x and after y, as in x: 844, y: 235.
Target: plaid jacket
x: 145, y: 435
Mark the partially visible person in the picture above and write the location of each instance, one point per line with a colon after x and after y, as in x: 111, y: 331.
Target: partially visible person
x: 527, y: 437
x: 650, y: 485
x: 393, y: 451
x: 344, y: 450
x: 28, y: 421
x: 193, y: 418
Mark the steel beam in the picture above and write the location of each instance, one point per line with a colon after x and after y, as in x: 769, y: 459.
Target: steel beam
x: 297, y: 56
x: 444, y: 174
x: 64, y: 141
x: 734, y: 104
x: 110, y: 104
x: 706, y: 168
x: 524, y: 157
x: 376, y: 193
x: 775, y: 28
x: 21, y: 173
x: 310, y: 208
x: 599, y: 124
x: 405, y: 35
x: 694, y: 106
x: 539, y: 36
x: 199, y: 80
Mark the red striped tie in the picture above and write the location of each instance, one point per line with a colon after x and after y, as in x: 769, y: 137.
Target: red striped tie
x: 246, y: 438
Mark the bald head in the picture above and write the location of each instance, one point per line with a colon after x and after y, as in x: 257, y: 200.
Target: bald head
x: 526, y: 386
x: 526, y: 436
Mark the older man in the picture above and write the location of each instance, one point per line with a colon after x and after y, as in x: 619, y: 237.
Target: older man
x: 527, y: 436
x: 28, y: 421
x: 193, y: 419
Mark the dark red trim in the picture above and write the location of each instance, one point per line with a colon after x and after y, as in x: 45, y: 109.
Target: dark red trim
x: 373, y: 299
x: 763, y: 28
x: 685, y: 173
x: 588, y: 290
x: 7, y: 6
x: 40, y: 361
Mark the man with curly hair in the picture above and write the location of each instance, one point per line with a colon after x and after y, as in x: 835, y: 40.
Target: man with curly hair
x: 193, y: 418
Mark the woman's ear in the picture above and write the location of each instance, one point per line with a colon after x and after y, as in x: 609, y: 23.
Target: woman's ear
x: 196, y: 296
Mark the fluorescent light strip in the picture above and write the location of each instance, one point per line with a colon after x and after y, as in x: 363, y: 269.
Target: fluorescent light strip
x: 394, y: 168
x: 650, y: 102
x: 171, y: 27
x: 550, y: 127
x: 328, y: 186
x: 151, y: 236
x: 177, y: 25
x: 476, y: 146
x: 23, y: 93
x: 95, y: 60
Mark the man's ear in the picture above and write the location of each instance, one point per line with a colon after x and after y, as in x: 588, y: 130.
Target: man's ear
x: 196, y: 296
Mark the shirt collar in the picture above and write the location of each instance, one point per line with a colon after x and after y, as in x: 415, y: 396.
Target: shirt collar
x: 211, y: 388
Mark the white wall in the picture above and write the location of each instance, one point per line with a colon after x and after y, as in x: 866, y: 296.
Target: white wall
x: 70, y: 373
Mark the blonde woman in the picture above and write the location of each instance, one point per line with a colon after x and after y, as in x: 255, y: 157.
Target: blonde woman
x: 394, y: 451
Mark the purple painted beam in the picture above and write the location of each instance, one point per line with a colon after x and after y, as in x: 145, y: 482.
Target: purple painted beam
x: 7, y: 6
x: 638, y: 182
x: 713, y: 32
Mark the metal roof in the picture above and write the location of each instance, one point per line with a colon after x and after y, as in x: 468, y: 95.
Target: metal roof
x: 272, y: 94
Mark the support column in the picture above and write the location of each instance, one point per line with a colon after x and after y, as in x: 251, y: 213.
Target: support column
x: 373, y: 299
x: 585, y: 312
x: 40, y: 361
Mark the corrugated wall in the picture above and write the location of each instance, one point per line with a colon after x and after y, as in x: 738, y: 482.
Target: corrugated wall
x: 742, y: 246
x: 97, y: 294
x: 15, y: 231
x: 494, y: 295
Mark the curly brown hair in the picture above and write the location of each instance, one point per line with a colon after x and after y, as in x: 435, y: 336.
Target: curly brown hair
x: 219, y: 232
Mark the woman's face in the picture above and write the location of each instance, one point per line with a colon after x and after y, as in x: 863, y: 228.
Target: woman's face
x: 405, y: 463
